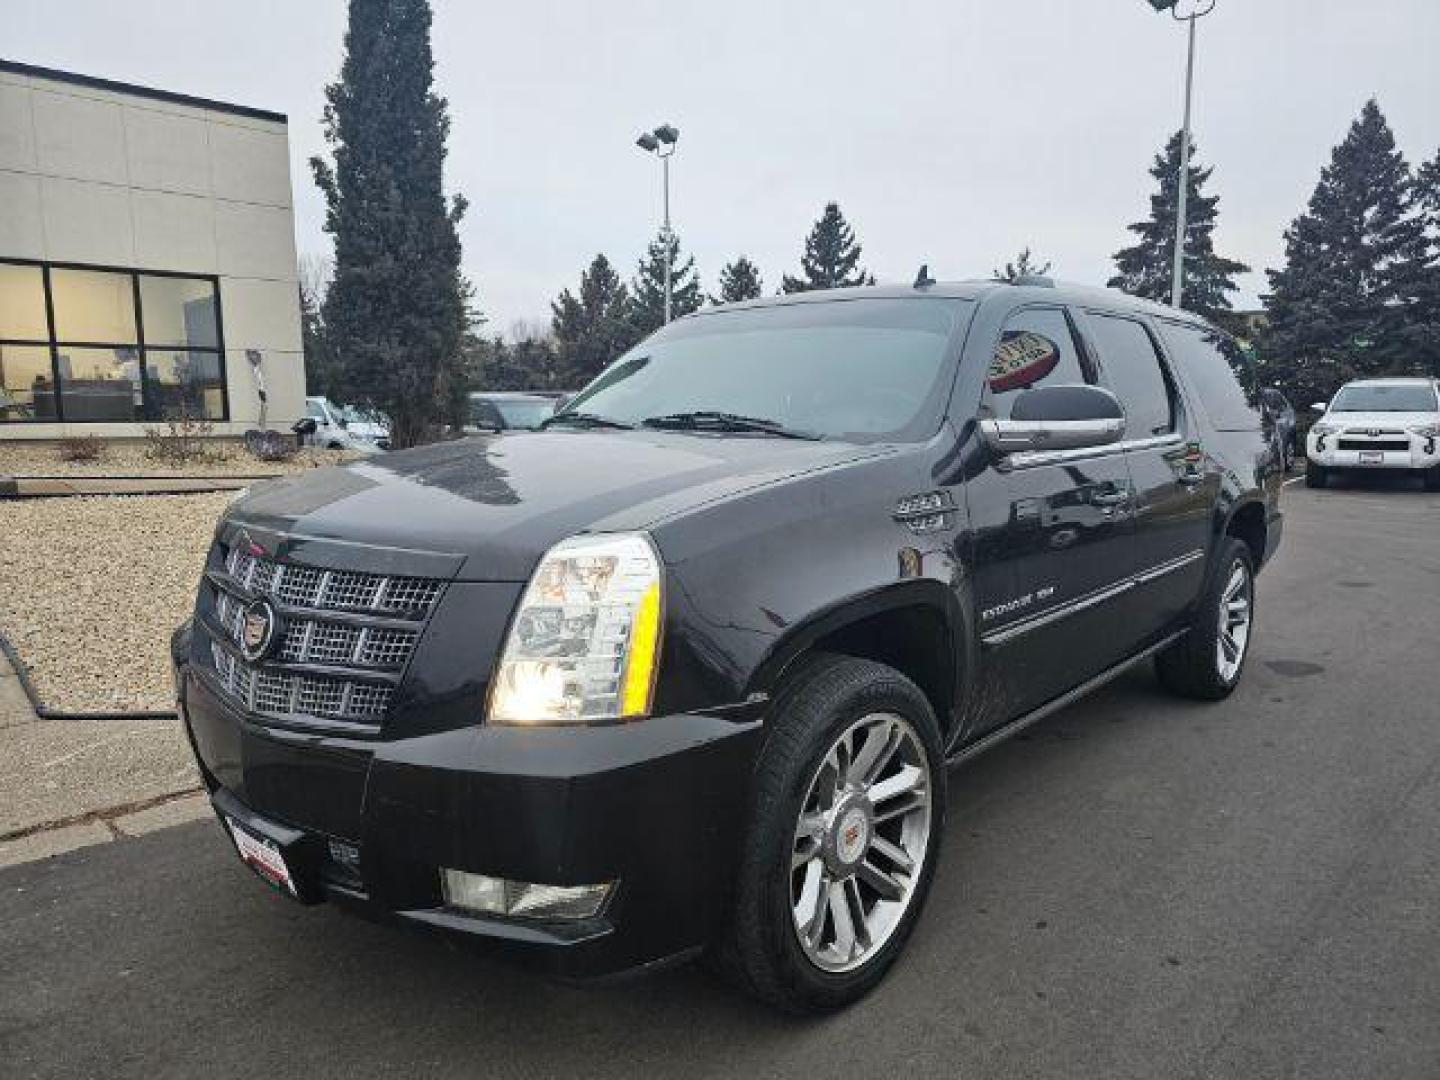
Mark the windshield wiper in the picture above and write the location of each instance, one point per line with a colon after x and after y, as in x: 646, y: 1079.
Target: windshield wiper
x: 709, y: 420
x: 586, y: 420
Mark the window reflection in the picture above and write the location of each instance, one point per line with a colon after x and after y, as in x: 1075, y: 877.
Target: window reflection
x: 22, y: 303
x: 178, y: 311
x: 27, y: 383
x: 93, y: 306
x: 99, y: 384
x: 180, y: 383
x: 104, y: 372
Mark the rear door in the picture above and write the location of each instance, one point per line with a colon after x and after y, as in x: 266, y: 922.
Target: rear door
x: 1052, y: 531
x: 1164, y: 451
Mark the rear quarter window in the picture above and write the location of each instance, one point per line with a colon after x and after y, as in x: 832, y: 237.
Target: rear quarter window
x: 1219, y: 373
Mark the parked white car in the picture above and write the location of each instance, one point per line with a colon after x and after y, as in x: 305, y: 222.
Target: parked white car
x: 342, y: 428
x: 1375, y: 424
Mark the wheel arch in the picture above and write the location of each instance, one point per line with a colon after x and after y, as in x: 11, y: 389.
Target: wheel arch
x: 917, y: 627
x: 1248, y: 523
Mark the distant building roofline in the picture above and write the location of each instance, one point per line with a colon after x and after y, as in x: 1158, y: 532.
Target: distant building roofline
x: 13, y: 67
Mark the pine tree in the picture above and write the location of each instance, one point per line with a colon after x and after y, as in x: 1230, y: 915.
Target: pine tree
x: 593, y: 329
x: 1423, y: 280
x: 832, y: 256
x: 647, y: 290
x: 739, y: 280
x: 1145, y: 268
x: 526, y: 364
x: 1343, y: 303
x: 320, y: 375
x: 1025, y: 265
x: 396, y: 311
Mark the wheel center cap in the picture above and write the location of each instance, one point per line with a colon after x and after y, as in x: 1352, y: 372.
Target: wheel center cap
x: 852, y: 835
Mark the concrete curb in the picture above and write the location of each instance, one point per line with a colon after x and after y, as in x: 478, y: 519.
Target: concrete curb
x: 11, y: 665
x: 102, y: 827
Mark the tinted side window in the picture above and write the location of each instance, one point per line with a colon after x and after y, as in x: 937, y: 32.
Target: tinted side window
x: 1219, y: 372
x: 1036, y: 348
x: 1130, y: 367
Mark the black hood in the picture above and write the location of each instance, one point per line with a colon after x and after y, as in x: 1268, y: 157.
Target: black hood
x: 500, y: 502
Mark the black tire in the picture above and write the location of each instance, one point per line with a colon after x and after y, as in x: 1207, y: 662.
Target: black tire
x: 1315, y: 475
x: 759, y: 949
x: 1191, y: 667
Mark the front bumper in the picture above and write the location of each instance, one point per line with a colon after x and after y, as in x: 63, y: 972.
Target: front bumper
x: 1422, y: 452
x: 657, y: 806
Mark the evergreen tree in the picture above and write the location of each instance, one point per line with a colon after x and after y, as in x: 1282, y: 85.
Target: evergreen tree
x: 594, y: 328
x: 647, y: 290
x: 1145, y: 268
x: 1343, y: 304
x: 739, y: 280
x: 1423, y: 284
x: 1025, y: 265
x: 526, y: 364
x: 396, y: 311
x: 832, y: 256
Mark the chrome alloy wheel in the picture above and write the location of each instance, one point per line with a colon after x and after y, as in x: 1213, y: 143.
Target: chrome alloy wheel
x: 1235, y: 615
x: 861, y: 841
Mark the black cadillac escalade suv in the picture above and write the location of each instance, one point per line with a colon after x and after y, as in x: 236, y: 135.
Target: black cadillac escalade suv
x: 686, y: 670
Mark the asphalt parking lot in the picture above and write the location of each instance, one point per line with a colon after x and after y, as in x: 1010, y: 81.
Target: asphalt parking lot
x: 1138, y: 888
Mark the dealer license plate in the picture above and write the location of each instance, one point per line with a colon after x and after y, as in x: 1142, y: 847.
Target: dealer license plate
x: 1372, y: 457
x: 262, y: 856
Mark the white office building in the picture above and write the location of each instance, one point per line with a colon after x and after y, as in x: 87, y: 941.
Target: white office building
x: 147, y: 255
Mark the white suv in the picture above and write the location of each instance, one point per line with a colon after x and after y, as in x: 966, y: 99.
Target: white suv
x: 1378, y: 424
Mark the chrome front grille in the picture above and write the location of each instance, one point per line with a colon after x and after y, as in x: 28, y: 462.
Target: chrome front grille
x: 336, y: 590
x: 357, y: 629
x: 282, y: 694
x: 316, y: 641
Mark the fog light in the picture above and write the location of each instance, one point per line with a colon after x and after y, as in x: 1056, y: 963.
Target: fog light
x: 521, y: 899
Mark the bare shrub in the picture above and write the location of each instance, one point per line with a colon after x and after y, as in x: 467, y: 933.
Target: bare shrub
x: 182, y: 440
x: 80, y: 448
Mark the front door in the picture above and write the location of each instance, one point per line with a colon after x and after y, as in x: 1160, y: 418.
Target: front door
x: 1052, y: 534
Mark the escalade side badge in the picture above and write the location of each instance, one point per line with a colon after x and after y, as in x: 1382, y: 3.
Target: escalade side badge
x: 926, y: 512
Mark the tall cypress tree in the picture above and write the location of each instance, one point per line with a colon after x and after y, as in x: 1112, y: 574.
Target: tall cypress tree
x: 594, y: 328
x: 831, y: 258
x: 739, y: 280
x: 647, y: 290
x: 396, y: 311
x: 1145, y: 268
x: 1343, y: 302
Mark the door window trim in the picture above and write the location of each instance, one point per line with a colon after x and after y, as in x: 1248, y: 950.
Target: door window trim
x: 1179, y: 407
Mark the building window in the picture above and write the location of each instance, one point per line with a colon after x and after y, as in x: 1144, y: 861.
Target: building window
x: 86, y: 345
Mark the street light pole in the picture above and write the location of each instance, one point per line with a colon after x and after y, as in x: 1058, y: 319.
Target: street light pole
x: 661, y: 142
x: 1177, y: 271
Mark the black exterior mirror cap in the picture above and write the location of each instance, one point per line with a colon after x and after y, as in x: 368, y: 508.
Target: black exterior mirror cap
x: 1067, y: 403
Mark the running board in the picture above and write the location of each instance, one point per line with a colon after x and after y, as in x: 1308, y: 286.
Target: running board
x: 1020, y: 723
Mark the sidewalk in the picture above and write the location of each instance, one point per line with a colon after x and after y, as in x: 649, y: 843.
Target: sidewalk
x: 66, y: 784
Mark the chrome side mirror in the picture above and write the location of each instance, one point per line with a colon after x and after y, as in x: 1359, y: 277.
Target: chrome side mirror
x: 1057, y: 418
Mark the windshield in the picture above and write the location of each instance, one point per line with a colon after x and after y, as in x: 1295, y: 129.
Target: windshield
x: 849, y: 369
x: 524, y: 412
x: 1380, y: 397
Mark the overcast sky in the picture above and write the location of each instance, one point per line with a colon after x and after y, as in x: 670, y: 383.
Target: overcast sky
x: 951, y: 132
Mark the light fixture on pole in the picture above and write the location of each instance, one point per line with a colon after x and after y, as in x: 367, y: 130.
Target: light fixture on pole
x: 661, y: 142
x: 1200, y: 9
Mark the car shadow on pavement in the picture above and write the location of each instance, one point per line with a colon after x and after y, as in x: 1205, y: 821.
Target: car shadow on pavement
x: 228, y: 976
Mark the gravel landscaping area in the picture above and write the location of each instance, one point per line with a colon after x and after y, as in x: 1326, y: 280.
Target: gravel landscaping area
x: 129, y: 459
x: 90, y: 589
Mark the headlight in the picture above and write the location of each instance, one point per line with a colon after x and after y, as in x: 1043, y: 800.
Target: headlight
x: 585, y: 642
x: 1426, y: 431
x: 1323, y: 429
